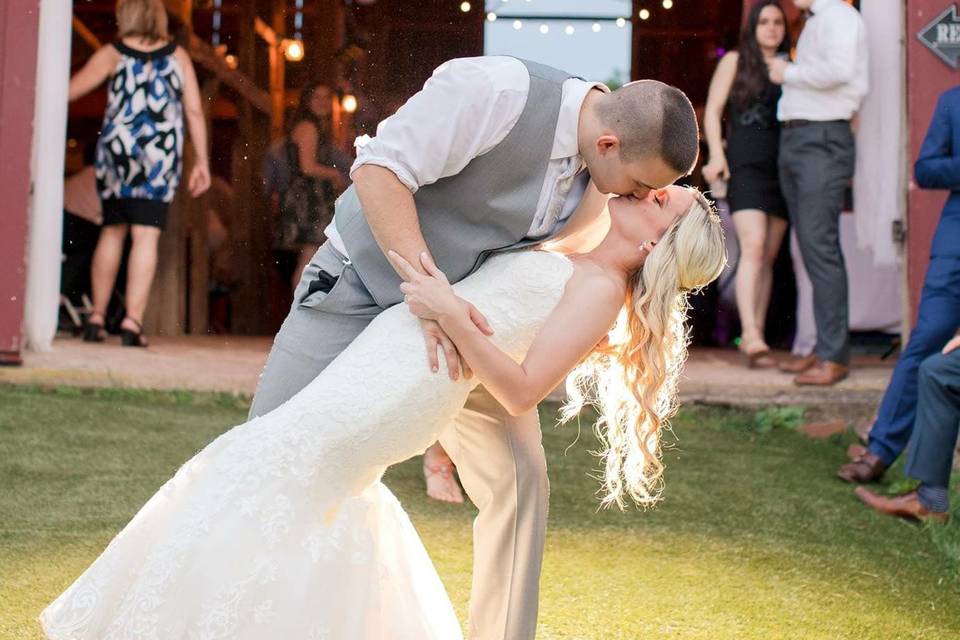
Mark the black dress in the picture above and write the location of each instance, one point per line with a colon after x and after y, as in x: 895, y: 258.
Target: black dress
x: 753, y: 141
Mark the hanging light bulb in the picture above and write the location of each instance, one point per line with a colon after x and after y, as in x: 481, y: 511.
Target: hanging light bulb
x: 621, y: 22
x: 348, y: 102
x: 517, y: 25
x: 544, y: 29
x: 596, y: 27
x: 644, y: 14
x: 465, y: 7
x: 292, y: 49
x: 667, y: 4
x: 569, y: 30
x: 491, y: 17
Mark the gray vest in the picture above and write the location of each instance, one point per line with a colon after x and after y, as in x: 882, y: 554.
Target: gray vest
x: 487, y: 207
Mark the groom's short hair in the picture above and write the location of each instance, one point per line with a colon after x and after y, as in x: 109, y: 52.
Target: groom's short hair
x: 653, y: 118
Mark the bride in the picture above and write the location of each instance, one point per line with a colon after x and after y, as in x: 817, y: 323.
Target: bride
x: 281, y: 528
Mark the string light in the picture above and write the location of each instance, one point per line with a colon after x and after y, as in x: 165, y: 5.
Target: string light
x: 644, y: 14
x: 465, y: 7
x: 667, y: 4
x: 298, y: 24
x: 544, y: 29
x: 596, y: 27
x: 217, y: 19
x: 491, y: 17
x: 517, y: 25
x: 621, y: 22
x: 569, y: 30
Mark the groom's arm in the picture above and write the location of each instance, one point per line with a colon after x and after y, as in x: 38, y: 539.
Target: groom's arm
x: 390, y: 211
x: 465, y: 109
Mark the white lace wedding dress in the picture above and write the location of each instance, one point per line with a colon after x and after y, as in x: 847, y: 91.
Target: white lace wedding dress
x: 281, y: 529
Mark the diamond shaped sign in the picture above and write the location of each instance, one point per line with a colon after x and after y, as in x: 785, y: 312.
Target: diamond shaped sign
x: 942, y: 36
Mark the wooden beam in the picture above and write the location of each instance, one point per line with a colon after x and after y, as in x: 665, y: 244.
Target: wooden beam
x: 85, y: 34
x: 205, y: 55
x: 266, y: 32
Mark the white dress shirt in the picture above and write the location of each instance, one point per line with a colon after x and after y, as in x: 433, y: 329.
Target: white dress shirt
x: 464, y: 110
x: 830, y: 76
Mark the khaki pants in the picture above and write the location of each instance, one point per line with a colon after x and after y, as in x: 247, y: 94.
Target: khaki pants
x: 502, y: 466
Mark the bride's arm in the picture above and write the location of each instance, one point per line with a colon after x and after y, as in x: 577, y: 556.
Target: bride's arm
x: 583, y: 316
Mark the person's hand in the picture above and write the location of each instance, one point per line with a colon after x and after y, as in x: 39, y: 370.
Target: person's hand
x: 953, y: 344
x: 199, y: 180
x: 430, y: 295
x: 776, y: 68
x: 716, y: 169
x: 436, y: 340
x: 434, y: 336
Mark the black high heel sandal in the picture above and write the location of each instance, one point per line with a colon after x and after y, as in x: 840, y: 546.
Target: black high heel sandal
x: 130, y: 338
x: 94, y: 331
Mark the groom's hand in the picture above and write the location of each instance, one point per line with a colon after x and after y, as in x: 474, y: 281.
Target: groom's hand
x: 436, y: 339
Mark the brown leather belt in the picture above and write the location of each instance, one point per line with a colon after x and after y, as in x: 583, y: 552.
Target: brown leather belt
x: 791, y: 124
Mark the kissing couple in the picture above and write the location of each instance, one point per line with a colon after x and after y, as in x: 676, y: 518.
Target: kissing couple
x: 480, y: 222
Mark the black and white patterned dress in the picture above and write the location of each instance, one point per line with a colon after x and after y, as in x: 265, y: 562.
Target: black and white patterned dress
x: 140, y: 147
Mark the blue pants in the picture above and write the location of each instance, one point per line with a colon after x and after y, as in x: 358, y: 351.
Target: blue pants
x: 936, y: 324
x: 938, y: 419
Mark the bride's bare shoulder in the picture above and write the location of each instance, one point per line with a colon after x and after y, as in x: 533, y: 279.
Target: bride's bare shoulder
x: 589, y: 279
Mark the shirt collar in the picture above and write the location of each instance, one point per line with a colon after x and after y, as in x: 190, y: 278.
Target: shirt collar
x: 574, y: 93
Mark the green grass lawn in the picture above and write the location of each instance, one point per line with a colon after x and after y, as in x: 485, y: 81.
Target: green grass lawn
x: 754, y: 539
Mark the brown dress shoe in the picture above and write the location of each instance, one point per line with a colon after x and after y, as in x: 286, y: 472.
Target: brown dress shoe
x: 906, y: 505
x: 822, y: 374
x: 797, y: 364
x: 865, y: 468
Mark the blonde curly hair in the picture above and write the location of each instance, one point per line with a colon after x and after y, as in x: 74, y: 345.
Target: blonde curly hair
x: 632, y: 382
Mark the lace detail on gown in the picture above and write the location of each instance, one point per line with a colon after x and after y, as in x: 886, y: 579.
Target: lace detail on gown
x: 281, y: 528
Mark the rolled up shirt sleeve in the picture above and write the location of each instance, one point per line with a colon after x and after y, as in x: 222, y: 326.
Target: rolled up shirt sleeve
x: 465, y: 109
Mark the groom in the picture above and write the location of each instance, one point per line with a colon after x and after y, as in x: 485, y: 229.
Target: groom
x: 493, y: 153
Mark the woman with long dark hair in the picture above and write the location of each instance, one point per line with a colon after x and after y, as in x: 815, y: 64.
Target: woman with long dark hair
x: 318, y: 176
x: 741, y: 90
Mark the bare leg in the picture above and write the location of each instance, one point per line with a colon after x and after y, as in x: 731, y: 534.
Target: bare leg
x: 140, y: 271
x: 438, y: 471
x: 303, y: 259
x: 751, y: 227
x: 106, y: 263
x: 776, y: 230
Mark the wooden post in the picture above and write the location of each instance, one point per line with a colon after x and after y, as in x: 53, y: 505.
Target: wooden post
x: 251, y: 233
x: 278, y: 72
x: 169, y: 309
x: 19, y: 31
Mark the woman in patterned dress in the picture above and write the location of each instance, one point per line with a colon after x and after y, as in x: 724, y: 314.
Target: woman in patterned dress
x: 152, y: 86
x: 319, y: 171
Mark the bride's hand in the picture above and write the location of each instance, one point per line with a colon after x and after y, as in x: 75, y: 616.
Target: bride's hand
x: 430, y: 296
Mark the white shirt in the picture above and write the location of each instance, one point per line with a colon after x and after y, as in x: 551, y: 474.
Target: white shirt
x: 464, y: 110
x: 830, y: 76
